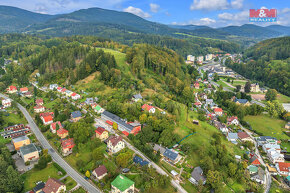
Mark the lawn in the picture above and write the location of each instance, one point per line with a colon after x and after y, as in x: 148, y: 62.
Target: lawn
x: 3, y: 141
x: 268, y: 126
x: 69, y: 182
x: 239, y: 82
x: 283, y: 98
x: 13, y: 119
x: 225, y: 85
x: 79, y: 190
x: 33, y: 176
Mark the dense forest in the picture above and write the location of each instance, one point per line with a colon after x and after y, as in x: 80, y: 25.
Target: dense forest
x: 269, y: 64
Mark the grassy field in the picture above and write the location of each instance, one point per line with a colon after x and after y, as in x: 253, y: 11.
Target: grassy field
x: 239, y: 82
x: 13, y: 118
x: 33, y: 176
x: 4, y: 141
x: 268, y: 126
x: 69, y: 182
x: 224, y: 85
x: 79, y: 190
x: 283, y: 98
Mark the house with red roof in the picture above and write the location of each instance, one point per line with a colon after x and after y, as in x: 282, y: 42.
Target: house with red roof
x: 218, y: 111
x: 115, y: 144
x: 11, y: 89
x: 39, y: 109
x: 148, y: 108
x: 196, y: 85
x: 39, y: 101
x: 24, y: 90
x: 46, y: 114
x: 100, y: 172
x: 67, y: 146
x: 243, y: 136
x: 197, y: 104
x: 283, y: 168
x: 59, y: 89
x: 101, y: 133
x: 54, y: 186
x: 47, y: 118
x: 63, y: 90
x: 53, y: 126
x: 233, y: 120
x: 62, y: 132
x: 254, y: 160
x: 75, y: 96
x: 28, y: 94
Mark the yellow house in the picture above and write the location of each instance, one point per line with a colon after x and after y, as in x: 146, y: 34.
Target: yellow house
x: 20, y: 141
x: 101, y: 133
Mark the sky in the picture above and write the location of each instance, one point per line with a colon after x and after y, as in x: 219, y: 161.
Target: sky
x: 214, y: 13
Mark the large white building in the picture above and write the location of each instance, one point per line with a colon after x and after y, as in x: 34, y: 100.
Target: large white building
x: 208, y: 57
x: 190, y: 58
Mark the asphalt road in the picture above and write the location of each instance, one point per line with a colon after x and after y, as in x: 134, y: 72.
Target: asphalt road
x: 55, y: 156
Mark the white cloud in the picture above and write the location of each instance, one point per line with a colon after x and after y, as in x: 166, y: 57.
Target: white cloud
x: 209, y: 5
x: 202, y: 21
x: 237, y: 4
x: 234, y: 18
x: 225, y: 16
x: 137, y: 11
x: 285, y: 10
x: 154, y: 7
x: 263, y: 7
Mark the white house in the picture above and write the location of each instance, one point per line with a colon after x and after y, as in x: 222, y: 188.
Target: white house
x: 275, y: 156
x: 208, y: 57
x: 233, y: 120
x: 75, y: 96
x: 115, y: 144
x: 53, y: 86
x: 39, y: 108
x: 6, y: 103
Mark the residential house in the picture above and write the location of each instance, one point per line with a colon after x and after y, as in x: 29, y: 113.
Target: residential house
x: 140, y: 161
x: 6, y: 103
x: 126, y: 128
x: 67, y: 146
x: 283, y: 168
x: 259, y: 176
x: 39, y: 101
x: 28, y: 94
x: 171, y: 156
x: 255, y: 88
x: 68, y: 93
x: 208, y: 57
x: 99, y: 109
x: 11, y: 89
x: 115, y: 144
x: 159, y: 148
x: 54, y: 186
x: 254, y: 160
x: 197, y: 175
x: 62, y: 91
x: 266, y: 139
x: 76, y: 116
x: 233, y: 120
x: 23, y: 90
x: 242, y: 102
x: 39, y: 109
x: 75, y: 96
x: 53, y: 86
x: 268, y: 146
x: 59, y: 89
x: 233, y: 137
x: 53, y: 126
x: 275, y: 156
x: 137, y: 98
x: 29, y: 152
x: 20, y: 141
x: 197, y: 104
x: 208, y: 102
x: 199, y: 59
x: 190, y: 58
x: 252, y: 169
x: 148, y: 108
x: 196, y: 85
x: 222, y: 127
x: 243, y: 136
x: 100, y: 172
x: 122, y: 184
x: 46, y: 119
x: 287, y: 126
x: 38, y: 188
x: 218, y: 111
x: 62, y: 132
x: 101, y: 133
x: 89, y: 101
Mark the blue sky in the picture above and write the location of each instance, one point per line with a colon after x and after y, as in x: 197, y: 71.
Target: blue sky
x: 215, y: 13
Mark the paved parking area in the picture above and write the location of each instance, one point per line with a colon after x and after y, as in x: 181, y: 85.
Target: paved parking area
x: 20, y: 165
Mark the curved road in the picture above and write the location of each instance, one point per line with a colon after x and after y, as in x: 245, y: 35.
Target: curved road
x: 55, y: 156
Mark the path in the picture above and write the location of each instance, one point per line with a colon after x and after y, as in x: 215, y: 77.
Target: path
x: 55, y: 156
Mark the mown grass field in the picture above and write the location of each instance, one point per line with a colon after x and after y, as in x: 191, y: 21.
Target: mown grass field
x: 268, y: 126
x: 283, y: 98
x: 33, y: 176
x: 11, y: 118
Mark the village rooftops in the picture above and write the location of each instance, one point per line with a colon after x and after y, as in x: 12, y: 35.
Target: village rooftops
x: 137, y: 96
x: 243, y: 135
x: 170, y: 154
x: 140, y: 161
x: 122, y: 183
x: 28, y: 149
x: 100, y: 130
x: 118, y: 120
x: 242, y: 101
x: 115, y: 139
x: 101, y: 170
x: 18, y: 139
x: 52, y: 185
x: 67, y: 143
x: 76, y: 114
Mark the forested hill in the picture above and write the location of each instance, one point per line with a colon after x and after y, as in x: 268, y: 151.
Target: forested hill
x: 268, y: 63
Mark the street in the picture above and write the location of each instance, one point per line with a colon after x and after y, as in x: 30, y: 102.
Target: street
x: 55, y: 156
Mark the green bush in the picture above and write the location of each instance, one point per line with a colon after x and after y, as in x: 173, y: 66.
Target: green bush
x: 59, y: 168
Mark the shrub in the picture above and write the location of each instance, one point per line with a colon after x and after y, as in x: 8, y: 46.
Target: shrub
x: 59, y: 168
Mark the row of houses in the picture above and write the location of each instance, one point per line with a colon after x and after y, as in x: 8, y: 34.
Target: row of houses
x: 65, y: 91
x: 15, y: 131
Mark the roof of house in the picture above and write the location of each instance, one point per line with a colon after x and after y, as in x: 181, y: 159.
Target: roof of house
x: 89, y: 100
x: 28, y: 93
x: 118, y: 120
x: 63, y: 90
x: 12, y: 87
x: 39, y: 186
x: 271, y: 146
x: 122, y: 183
x: 254, y: 158
x: 243, y: 135
x: 39, y: 101
x: 67, y: 143
x: 61, y: 131
x: 284, y: 167
x: 218, y: 110
x: 101, y: 170
x: 23, y: 89
x: 259, y: 175
x: 253, y: 168
x: 74, y: 94
x: 137, y: 96
x: 197, y: 174
x: 26, y: 149
x: 265, y: 138
x: 232, y: 135
x: 140, y: 161
x: 115, y: 139
x: 18, y: 139
x: 242, y: 101
x: 147, y: 107
x: 52, y: 185
x: 47, y: 118
x: 98, y: 107
x: 53, y: 125
x: 230, y: 119
x: 170, y: 154
x: 39, y: 107
x: 209, y: 100
x: 159, y: 148
x: 46, y: 114
x: 76, y: 114
x: 100, y: 130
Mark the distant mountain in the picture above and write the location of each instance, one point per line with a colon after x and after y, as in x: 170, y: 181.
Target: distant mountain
x: 285, y: 30
x: 250, y: 30
x: 188, y: 27
x: 14, y: 19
